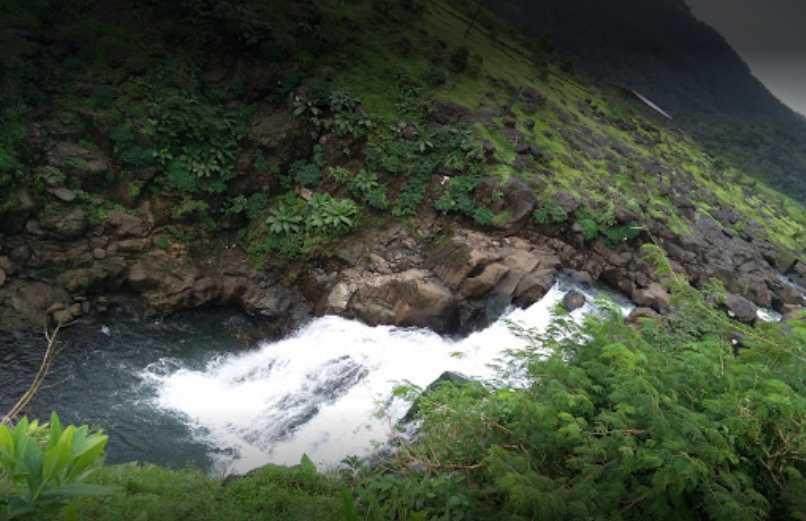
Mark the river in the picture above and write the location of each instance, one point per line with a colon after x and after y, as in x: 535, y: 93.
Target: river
x: 184, y: 391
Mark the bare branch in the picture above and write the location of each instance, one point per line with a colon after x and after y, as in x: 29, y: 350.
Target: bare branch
x: 44, y: 368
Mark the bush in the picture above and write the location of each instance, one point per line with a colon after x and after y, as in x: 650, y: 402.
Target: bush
x: 660, y: 421
x: 43, y: 480
x: 330, y: 216
x: 198, y: 142
x: 550, y: 213
x: 295, y: 227
x: 366, y: 186
x: 305, y: 173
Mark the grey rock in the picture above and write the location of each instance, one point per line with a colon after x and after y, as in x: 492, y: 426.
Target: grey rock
x: 484, y: 282
x: 655, y: 297
x: 66, y: 225
x: 63, y: 194
x: 741, y: 309
x: 641, y: 312
x: 573, y: 300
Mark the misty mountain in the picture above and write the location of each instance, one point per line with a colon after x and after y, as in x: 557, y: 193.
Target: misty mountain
x: 661, y: 49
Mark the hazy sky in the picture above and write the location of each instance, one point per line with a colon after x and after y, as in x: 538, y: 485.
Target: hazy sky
x: 771, y: 37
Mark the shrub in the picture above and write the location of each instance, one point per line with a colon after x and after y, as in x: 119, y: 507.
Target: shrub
x: 658, y: 421
x: 366, y: 186
x: 550, y: 213
x: 285, y: 219
x: 305, y: 173
x: 296, y: 227
x: 44, y: 479
x: 326, y: 214
x: 618, y: 234
x: 253, y: 206
x: 199, y: 142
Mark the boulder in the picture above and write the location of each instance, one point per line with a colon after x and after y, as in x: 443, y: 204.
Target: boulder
x: 79, y: 159
x: 655, y: 296
x: 567, y: 202
x: 279, y: 132
x: 792, y: 311
x: 573, y: 300
x: 741, y: 308
x: 338, y: 299
x: 5, y: 265
x: 484, y: 282
x: 25, y: 304
x: 639, y: 313
x: 2, y: 278
x: 65, y: 225
x: 126, y: 225
x: 534, y: 286
x: 134, y: 245
x: 410, y: 298
x: 798, y: 273
x: 519, y: 200
x: 580, y: 277
x: 63, y: 194
x: 446, y: 378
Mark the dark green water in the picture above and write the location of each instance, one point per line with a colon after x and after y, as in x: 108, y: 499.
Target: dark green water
x: 97, y: 380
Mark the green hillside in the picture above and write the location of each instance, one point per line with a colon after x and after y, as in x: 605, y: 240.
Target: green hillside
x: 285, y: 130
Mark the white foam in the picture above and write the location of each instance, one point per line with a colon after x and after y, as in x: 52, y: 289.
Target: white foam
x: 318, y: 392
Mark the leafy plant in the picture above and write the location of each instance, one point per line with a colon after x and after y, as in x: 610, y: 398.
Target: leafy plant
x: 326, y: 214
x: 253, y: 206
x: 550, y: 213
x: 366, y: 186
x: 618, y: 234
x: 44, y: 479
x: 593, y: 223
x: 663, y: 420
x: 198, y: 141
x: 285, y: 219
x: 340, y: 175
x: 305, y: 173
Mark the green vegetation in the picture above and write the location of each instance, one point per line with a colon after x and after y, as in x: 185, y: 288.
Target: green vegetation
x: 669, y: 418
x: 293, y: 124
x: 295, y: 226
x: 42, y: 468
x: 176, y: 117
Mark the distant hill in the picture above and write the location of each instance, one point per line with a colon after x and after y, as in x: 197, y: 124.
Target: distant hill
x: 660, y: 49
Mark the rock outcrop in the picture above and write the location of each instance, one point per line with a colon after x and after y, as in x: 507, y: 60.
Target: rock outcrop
x: 456, y: 284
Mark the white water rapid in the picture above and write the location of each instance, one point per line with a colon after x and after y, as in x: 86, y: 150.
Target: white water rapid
x: 327, y: 390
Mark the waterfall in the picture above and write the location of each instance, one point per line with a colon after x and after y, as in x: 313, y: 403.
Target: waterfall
x: 327, y: 390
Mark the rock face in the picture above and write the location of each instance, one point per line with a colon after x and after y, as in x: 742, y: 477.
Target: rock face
x: 746, y: 264
x: 65, y: 225
x: 95, y: 266
x: 410, y: 298
x: 62, y: 266
x: 457, y: 284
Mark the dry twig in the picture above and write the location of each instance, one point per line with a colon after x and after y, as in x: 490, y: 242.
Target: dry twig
x: 44, y: 368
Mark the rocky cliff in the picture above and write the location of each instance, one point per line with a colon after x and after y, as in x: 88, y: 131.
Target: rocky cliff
x: 374, y: 162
